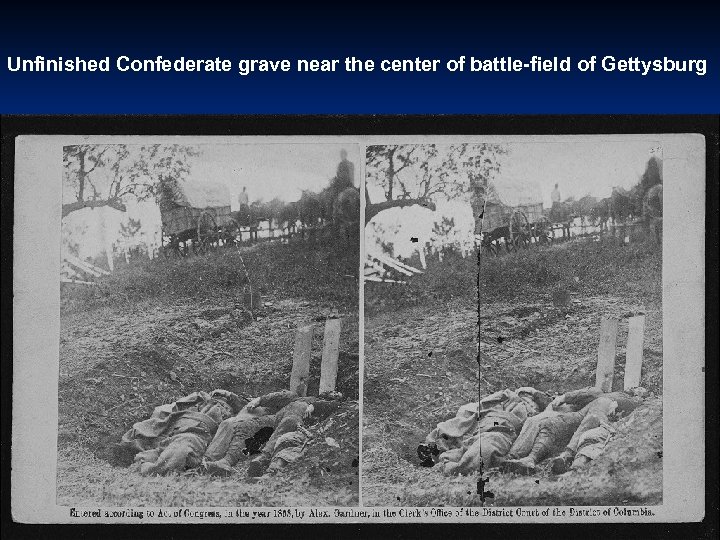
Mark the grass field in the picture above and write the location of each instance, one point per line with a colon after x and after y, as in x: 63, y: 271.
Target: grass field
x: 158, y: 330
x: 421, y: 365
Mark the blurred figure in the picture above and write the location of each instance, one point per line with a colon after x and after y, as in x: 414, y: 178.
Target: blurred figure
x: 344, y: 180
x: 555, y: 195
x: 243, y: 214
x: 243, y: 198
x: 345, y: 175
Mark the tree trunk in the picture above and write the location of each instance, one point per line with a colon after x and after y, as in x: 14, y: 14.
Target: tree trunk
x: 372, y: 210
x: 79, y: 205
x: 390, y: 175
x: 107, y: 242
x: 81, y: 175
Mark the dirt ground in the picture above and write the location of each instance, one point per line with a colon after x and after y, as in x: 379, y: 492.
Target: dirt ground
x: 421, y: 365
x: 119, y: 360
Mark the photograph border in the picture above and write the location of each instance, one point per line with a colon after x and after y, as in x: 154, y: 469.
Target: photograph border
x: 375, y: 126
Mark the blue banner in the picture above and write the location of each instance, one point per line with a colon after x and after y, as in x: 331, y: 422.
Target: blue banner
x: 398, y: 59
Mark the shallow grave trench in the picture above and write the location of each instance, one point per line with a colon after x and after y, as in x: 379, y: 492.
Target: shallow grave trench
x: 135, y: 362
x: 551, y: 349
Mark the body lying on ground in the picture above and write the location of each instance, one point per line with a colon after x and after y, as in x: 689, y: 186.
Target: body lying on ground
x: 281, y: 414
x: 576, y: 425
x: 176, y: 435
x: 460, y: 443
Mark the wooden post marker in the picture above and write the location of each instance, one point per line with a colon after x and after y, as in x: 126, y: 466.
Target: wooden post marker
x: 247, y: 297
x: 301, y: 360
x: 634, y: 351
x: 331, y: 348
x: 255, y: 299
x: 251, y: 298
x: 606, y: 354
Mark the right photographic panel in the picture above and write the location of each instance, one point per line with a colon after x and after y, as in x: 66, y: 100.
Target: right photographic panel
x: 514, y: 320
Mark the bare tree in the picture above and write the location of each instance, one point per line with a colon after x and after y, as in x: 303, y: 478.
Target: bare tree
x: 98, y: 175
x: 417, y: 173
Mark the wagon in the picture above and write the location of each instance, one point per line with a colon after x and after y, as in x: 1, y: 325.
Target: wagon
x: 513, y: 217
x: 196, y: 216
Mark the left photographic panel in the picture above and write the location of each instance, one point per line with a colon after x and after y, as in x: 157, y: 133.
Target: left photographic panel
x: 208, y: 348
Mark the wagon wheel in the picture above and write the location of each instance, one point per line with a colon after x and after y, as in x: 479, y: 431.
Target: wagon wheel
x: 207, y: 233
x: 519, y: 227
x: 488, y: 246
x: 230, y: 233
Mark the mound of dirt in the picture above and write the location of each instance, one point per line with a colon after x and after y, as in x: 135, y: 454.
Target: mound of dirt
x: 635, y: 453
x: 331, y: 458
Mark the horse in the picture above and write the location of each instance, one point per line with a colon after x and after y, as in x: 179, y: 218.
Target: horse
x: 653, y: 210
x: 620, y: 204
x: 288, y: 217
x: 310, y: 211
x: 346, y: 215
x: 250, y: 216
x: 562, y: 212
x: 327, y: 199
x: 600, y: 213
x: 583, y: 207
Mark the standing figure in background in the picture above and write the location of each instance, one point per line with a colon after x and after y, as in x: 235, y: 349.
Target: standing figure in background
x: 244, y: 207
x: 345, y: 175
x: 555, y: 196
x: 244, y: 198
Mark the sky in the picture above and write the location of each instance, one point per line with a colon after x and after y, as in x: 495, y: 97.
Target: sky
x: 272, y: 170
x: 579, y: 168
